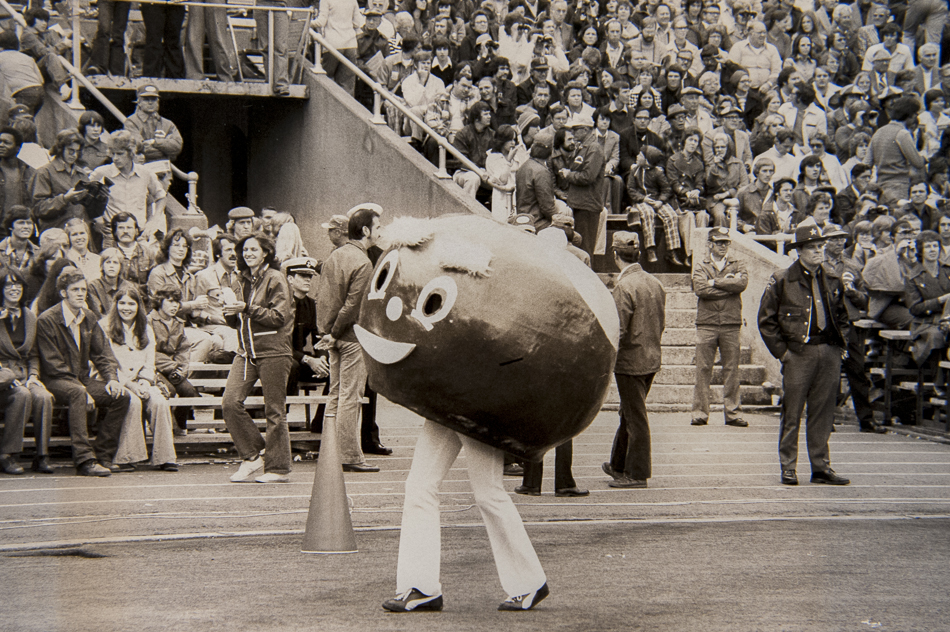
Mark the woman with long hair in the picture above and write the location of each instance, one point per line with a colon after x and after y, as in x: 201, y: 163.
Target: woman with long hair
x: 848, y: 64
x: 927, y: 293
x: 48, y: 295
x: 802, y: 58
x: 95, y: 147
x: 808, y: 25
x: 810, y: 171
x: 175, y: 255
x: 28, y: 397
x: 102, y: 291
x: 500, y: 171
x: 264, y: 320
x: 133, y: 345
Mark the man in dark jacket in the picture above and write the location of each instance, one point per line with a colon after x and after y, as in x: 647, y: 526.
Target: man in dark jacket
x: 586, y: 181
x: 804, y: 323
x: 69, y: 338
x: 343, y: 281
x: 641, y: 304
x: 535, y: 185
x: 718, y: 282
x: 306, y: 367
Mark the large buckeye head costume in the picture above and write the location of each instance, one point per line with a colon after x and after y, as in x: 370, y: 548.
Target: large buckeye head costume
x: 489, y: 331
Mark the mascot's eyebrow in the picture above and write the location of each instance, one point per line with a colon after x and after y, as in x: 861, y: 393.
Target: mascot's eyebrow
x: 462, y: 256
x: 407, y: 232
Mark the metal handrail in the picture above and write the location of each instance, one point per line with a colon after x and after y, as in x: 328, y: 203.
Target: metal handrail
x: 444, y: 145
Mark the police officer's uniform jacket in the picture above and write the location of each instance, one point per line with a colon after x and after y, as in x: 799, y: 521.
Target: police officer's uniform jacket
x: 786, y: 312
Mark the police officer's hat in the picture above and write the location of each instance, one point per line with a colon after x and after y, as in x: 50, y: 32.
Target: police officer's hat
x: 806, y: 234
x: 301, y: 265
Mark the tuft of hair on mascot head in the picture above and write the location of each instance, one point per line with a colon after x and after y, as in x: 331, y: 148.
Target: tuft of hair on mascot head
x: 488, y: 330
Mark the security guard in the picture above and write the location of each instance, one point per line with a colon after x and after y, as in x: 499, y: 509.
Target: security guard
x: 804, y: 323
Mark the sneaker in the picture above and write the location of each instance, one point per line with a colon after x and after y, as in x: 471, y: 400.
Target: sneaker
x: 525, y: 602
x: 273, y: 477
x: 414, y: 600
x: 248, y: 470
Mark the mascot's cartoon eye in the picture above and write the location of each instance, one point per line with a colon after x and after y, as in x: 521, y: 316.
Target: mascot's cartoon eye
x: 383, y: 275
x: 435, y: 301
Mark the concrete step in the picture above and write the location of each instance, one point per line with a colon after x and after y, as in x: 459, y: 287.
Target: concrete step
x: 686, y: 355
x: 673, y: 282
x: 681, y: 300
x: 679, y: 336
x: 680, y: 318
x: 684, y: 374
x: 683, y: 394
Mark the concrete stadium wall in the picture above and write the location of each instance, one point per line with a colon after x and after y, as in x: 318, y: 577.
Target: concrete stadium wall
x: 322, y: 157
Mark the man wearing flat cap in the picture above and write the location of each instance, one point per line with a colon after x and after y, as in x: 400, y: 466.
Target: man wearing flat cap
x: 804, y: 323
x: 586, y: 181
x: 242, y: 222
x: 719, y: 281
x: 159, y: 137
x: 641, y: 305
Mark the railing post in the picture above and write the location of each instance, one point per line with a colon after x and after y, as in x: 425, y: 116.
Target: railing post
x: 193, y: 192
x: 317, y: 59
x: 377, y: 118
x: 74, y: 103
x: 270, y: 51
x: 732, y: 210
x: 442, y: 172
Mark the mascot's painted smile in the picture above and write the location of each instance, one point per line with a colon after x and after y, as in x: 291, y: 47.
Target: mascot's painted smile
x: 489, y: 331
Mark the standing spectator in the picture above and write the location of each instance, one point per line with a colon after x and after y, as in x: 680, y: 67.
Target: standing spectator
x: 22, y: 79
x: 159, y: 137
x: 783, y: 155
x: 585, y: 180
x: 306, y: 367
x: 500, y: 168
x: 210, y: 23
x: 803, y: 116
x: 133, y: 345
x: 215, y: 282
x: 163, y: 53
x: 752, y: 196
x: 337, y: 230
x: 172, y: 355
x: 108, y: 48
x: 759, y: 58
x: 819, y: 144
x: 69, y: 338
x: 535, y: 185
x: 262, y: 316
x: 135, y: 189
x: 641, y: 303
x: 15, y: 175
x: 804, y: 323
x: 17, y: 252
x: 343, y: 281
x: 927, y: 73
x: 56, y: 198
x: 241, y: 220
x: 340, y: 21
x: 719, y: 282
x: 893, y: 150
x: 25, y: 394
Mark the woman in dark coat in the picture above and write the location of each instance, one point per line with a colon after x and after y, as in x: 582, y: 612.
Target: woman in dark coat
x: 926, y: 295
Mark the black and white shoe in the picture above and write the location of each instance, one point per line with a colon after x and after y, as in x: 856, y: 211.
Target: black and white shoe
x: 414, y: 601
x: 525, y: 602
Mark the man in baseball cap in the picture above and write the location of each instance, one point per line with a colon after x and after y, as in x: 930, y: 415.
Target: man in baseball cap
x: 337, y: 229
x: 585, y: 178
x: 718, y: 281
x: 804, y: 323
x: 159, y: 137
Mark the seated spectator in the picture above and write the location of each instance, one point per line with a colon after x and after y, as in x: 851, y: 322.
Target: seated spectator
x: 725, y: 175
x: 45, y: 257
x: 846, y: 200
x: 863, y: 247
x: 687, y: 174
x: 933, y: 121
x: 69, y: 339
x: 48, y: 293
x: 778, y: 214
x: 650, y: 193
x: 172, y: 355
x: 474, y: 141
x: 830, y: 165
x: 103, y: 290
x: 216, y: 282
x: 16, y: 174
x: 95, y: 148
x: 23, y: 395
x: 819, y: 207
x: 803, y: 116
x: 137, y: 257
x: 174, y: 257
x: 753, y: 195
x: 133, y: 345
x: 918, y: 206
x: 135, y: 189
x: 17, y: 251
x: 57, y: 186
x: 44, y: 46
x: 927, y: 293
x: 858, y: 148
x: 810, y: 172
x: 885, y: 276
x: 23, y: 81
x: 88, y: 262
x: 199, y: 261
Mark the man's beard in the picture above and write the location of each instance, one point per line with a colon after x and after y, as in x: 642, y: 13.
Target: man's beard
x: 648, y: 40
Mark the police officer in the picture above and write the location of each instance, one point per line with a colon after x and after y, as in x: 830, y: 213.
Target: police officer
x: 305, y: 367
x: 586, y: 181
x: 804, y: 323
x: 718, y: 281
